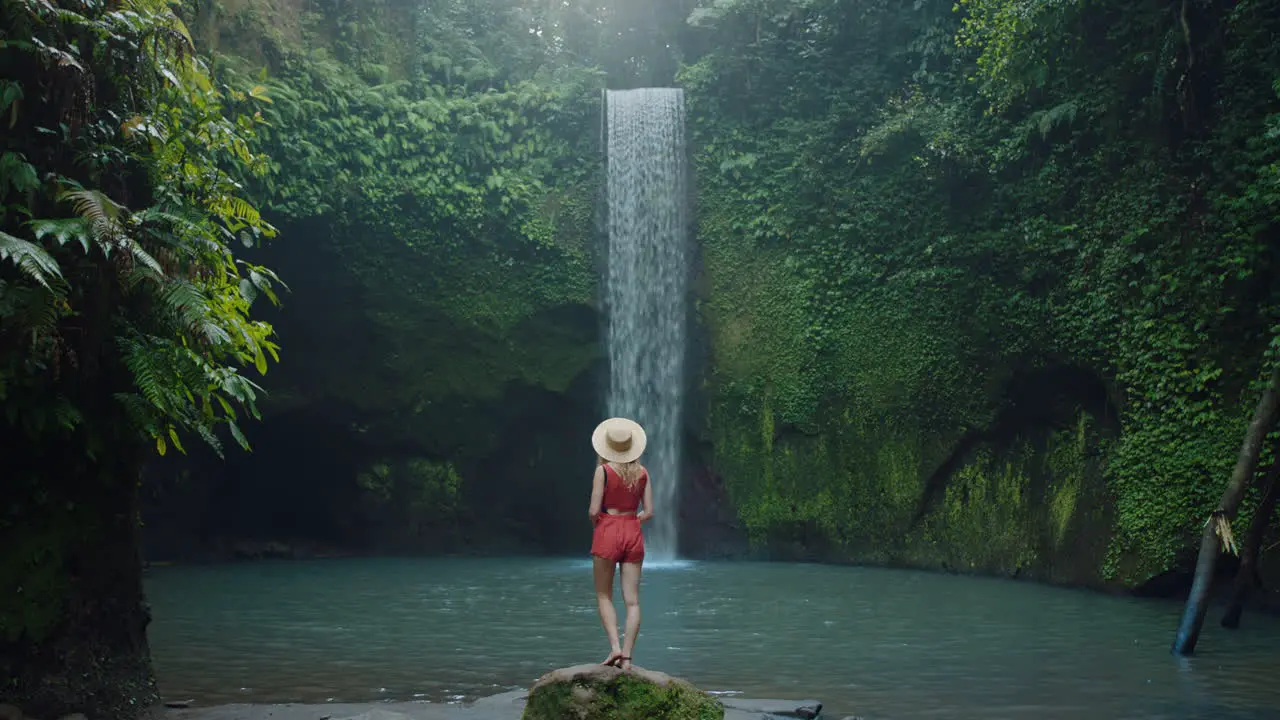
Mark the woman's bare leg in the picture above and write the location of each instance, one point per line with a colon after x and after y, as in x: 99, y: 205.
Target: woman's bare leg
x: 630, y: 596
x: 603, y: 571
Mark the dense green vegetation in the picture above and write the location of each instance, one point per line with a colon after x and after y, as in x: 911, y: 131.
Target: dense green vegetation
x: 124, y: 320
x: 960, y: 218
x: 453, y: 195
x: 986, y: 286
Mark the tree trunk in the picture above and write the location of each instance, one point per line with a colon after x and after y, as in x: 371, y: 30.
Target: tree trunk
x: 1184, y: 643
x: 73, y: 635
x: 1247, y: 575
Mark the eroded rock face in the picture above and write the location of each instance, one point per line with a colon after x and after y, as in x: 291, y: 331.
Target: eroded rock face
x: 600, y: 692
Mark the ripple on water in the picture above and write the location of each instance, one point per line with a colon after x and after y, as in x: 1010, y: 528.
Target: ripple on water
x: 885, y: 643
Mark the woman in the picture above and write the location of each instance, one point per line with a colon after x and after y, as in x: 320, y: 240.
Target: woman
x: 619, y: 488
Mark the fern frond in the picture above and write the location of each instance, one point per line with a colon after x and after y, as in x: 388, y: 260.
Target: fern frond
x: 30, y: 308
x: 148, y: 373
x: 140, y: 255
x: 187, y: 230
x: 93, y: 205
x: 101, y: 212
x: 190, y: 307
x: 230, y: 206
x: 184, y: 221
x: 63, y: 230
x: 133, y: 278
x: 31, y: 259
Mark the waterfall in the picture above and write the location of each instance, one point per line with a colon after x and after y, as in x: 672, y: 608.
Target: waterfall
x: 646, y: 286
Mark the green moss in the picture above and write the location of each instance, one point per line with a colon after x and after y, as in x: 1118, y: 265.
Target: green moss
x: 624, y: 697
x: 986, y: 521
x: 1068, y: 463
x: 847, y: 485
x: 31, y: 563
x: 851, y: 490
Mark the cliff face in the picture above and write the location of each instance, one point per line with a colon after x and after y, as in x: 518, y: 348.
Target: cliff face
x: 438, y: 239
x: 970, y: 308
x: 889, y: 451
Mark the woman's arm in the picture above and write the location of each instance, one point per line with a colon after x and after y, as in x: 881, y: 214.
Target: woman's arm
x: 648, y: 503
x: 597, y: 493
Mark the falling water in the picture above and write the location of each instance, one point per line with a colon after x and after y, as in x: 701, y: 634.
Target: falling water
x: 645, y: 285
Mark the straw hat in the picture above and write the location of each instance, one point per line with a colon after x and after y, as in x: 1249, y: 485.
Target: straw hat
x: 619, y: 440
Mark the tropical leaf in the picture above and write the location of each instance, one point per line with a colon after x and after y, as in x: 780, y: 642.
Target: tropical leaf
x: 31, y: 259
x: 17, y: 173
x: 63, y: 230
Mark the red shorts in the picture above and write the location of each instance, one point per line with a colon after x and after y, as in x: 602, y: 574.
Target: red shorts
x: 618, y: 538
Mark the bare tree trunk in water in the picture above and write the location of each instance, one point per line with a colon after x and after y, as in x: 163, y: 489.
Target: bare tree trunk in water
x: 1184, y: 643
x: 1247, y: 575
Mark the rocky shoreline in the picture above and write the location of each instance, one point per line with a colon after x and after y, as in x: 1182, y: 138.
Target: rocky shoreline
x: 507, y: 706
x: 590, y: 691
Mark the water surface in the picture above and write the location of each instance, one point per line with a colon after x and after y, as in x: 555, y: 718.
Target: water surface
x: 881, y: 643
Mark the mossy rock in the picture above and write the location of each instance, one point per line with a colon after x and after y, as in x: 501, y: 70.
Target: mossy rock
x: 599, y: 692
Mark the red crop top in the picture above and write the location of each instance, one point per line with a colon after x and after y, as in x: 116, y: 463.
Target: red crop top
x: 617, y: 496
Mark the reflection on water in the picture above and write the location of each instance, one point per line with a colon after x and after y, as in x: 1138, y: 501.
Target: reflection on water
x: 882, y: 643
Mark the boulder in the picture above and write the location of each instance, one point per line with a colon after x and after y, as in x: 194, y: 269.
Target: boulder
x: 601, y: 692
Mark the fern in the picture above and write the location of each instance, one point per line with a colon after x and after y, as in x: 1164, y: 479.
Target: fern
x: 189, y: 306
x: 102, y: 213
x: 148, y: 373
x: 139, y: 255
x: 180, y: 320
x: 32, y: 260
x: 63, y: 231
x: 30, y: 308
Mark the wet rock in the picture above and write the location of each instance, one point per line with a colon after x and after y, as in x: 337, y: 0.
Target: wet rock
x: 270, y: 550
x: 177, y: 704
x: 804, y: 709
x: 600, y: 692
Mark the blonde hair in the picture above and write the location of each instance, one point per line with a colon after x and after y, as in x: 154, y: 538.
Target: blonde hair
x: 629, y: 472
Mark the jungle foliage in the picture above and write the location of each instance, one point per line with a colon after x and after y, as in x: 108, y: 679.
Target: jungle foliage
x: 457, y: 143
x: 125, y: 321
x: 953, y: 197
x: 119, y: 215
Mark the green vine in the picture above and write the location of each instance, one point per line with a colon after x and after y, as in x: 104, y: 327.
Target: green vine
x: 980, y: 197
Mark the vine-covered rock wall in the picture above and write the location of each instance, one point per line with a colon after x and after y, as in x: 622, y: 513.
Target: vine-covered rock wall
x: 438, y: 237
x: 988, y: 289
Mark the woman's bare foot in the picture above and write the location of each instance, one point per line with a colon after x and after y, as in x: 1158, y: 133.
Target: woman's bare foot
x: 614, y: 657
x: 626, y: 662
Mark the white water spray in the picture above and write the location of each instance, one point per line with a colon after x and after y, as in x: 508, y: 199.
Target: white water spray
x: 646, y: 286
